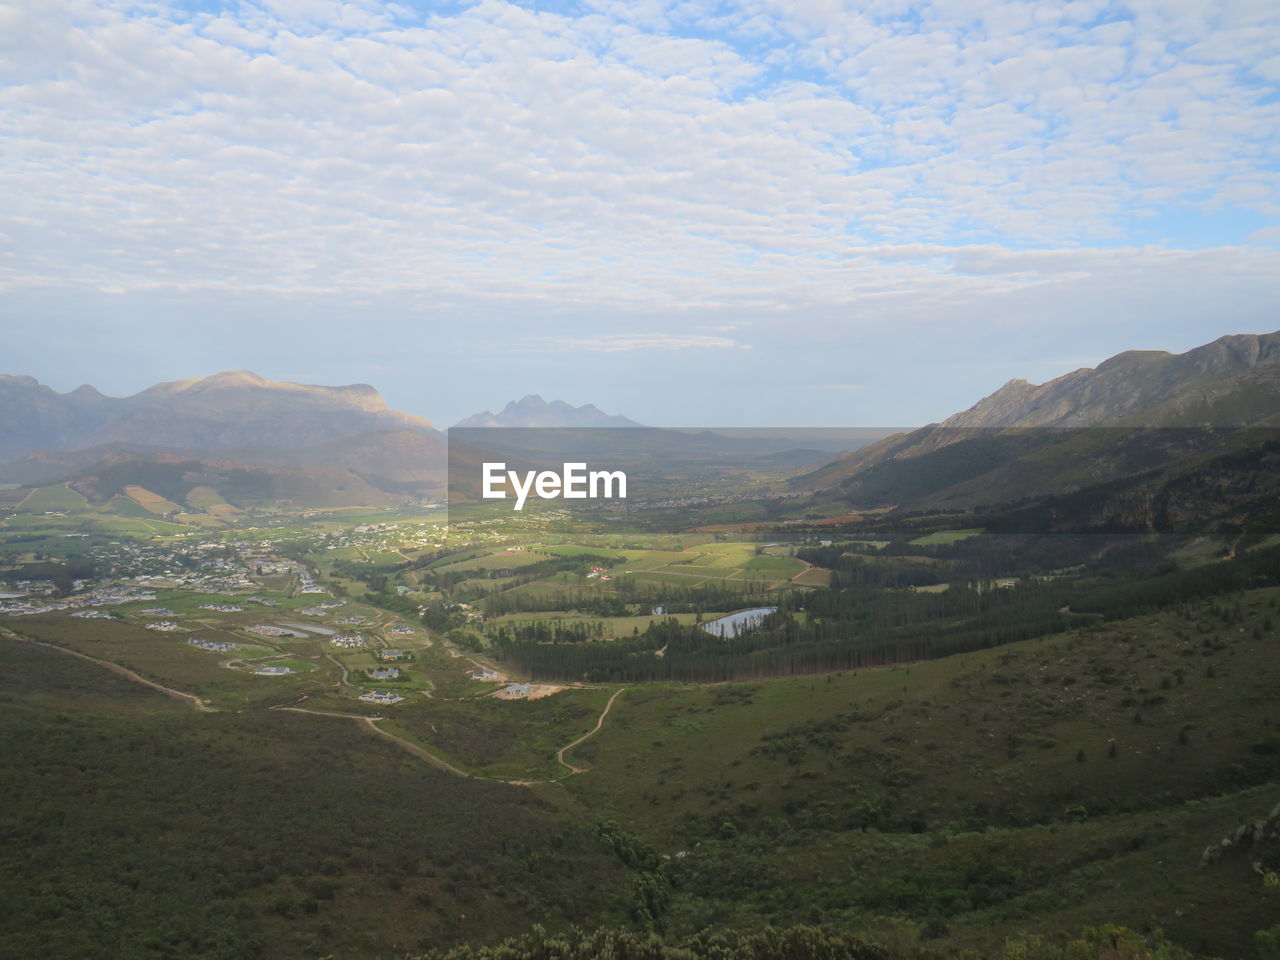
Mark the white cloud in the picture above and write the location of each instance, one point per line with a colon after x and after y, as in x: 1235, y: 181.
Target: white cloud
x: 689, y: 162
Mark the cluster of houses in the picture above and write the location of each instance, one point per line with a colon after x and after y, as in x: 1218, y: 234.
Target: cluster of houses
x: 349, y: 641
x: 273, y: 670
x: 202, y: 565
x: 213, y: 576
x: 383, y: 673
x: 92, y: 615
x: 517, y: 691
x: 165, y: 626
x: 217, y: 646
x: 269, y: 565
x: 386, y: 536
x: 28, y: 586
x: 222, y: 607
x: 598, y: 573
x: 307, y: 583
x: 393, y: 655
x: 265, y: 601
x: 400, y: 628
x: 353, y: 619
x: 98, y: 597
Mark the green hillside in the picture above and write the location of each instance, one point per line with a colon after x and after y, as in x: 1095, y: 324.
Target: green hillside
x: 261, y: 834
x: 1036, y: 787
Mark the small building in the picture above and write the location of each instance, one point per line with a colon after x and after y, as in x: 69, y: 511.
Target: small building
x: 273, y: 671
x: 484, y: 673
x: 384, y: 673
x: 517, y: 691
x: 381, y: 696
x: 269, y: 630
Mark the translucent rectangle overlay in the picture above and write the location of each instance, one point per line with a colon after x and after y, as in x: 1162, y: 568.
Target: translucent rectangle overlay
x: 1091, y: 480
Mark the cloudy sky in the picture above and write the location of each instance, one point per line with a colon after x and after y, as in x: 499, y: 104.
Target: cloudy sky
x: 800, y: 212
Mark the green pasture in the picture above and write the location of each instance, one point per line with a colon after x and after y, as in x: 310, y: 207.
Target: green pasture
x: 946, y: 537
x: 57, y: 496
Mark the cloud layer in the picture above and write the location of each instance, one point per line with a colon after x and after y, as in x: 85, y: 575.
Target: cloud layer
x: 633, y: 174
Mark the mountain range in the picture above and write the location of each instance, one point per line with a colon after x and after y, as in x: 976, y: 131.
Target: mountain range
x: 248, y: 438
x: 1137, y: 413
x: 302, y: 442
x: 227, y: 411
x: 244, y: 436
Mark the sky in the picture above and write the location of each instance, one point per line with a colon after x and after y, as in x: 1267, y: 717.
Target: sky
x: 773, y: 212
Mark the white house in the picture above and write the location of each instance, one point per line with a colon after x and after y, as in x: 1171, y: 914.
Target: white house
x: 381, y: 696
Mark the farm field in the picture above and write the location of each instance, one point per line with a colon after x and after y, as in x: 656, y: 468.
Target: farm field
x: 946, y: 537
x: 56, y: 497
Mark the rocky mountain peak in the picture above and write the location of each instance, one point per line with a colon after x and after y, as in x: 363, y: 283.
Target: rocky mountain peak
x: 533, y: 411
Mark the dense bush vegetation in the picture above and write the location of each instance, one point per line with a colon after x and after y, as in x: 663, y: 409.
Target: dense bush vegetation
x: 133, y: 828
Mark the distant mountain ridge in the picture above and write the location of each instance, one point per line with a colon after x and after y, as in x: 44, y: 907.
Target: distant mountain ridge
x: 226, y: 411
x: 241, y: 435
x: 1137, y: 412
x: 1140, y: 411
x: 244, y: 436
x: 1131, y: 383
x: 533, y: 411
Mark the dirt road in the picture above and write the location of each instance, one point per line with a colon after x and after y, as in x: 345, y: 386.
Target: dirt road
x: 189, y: 698
x: 401, y: 742
x: 590, y: 733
